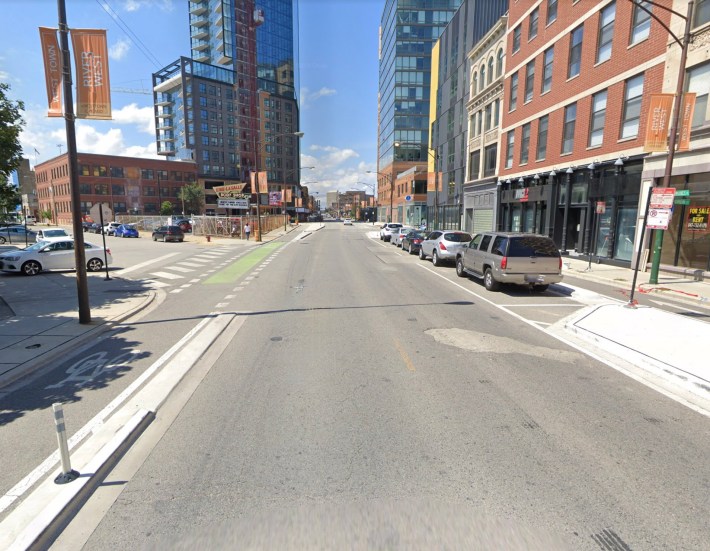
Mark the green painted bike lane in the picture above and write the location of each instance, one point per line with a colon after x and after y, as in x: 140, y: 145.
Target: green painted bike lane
x: 233, y: 272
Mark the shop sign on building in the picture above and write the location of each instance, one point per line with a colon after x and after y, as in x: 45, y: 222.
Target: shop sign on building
x: 233, y: 203
x: 698, y: 218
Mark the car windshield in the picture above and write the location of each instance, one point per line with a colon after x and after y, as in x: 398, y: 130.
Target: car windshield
x: 532, y: 245
x: 54, y: 233
x: 414, y: 235
x: 35, y: 246
x: 458, y: 237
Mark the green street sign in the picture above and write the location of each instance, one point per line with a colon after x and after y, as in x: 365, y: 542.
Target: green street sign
x: 682, y: 201
x: 682, y: 192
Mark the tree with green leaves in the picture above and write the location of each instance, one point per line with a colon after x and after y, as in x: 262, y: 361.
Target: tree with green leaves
x: 9, y: 196
x: 11, y: 123
x: 166, y: 208
x: 193, y: 199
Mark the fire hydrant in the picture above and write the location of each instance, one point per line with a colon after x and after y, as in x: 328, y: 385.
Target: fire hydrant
x: 209, y: 238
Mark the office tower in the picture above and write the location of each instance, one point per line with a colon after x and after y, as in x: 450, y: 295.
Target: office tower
x: 408, y: 30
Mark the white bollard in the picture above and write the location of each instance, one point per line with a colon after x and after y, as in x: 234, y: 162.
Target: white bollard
x: 67, y: 474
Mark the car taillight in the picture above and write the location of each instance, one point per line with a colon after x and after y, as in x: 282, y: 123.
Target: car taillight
x: 417, y: 241
x: 442, y: 246
x: 108, y: 251
x: 504, y: 263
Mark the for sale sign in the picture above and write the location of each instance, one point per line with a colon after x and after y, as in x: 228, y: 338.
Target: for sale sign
x: 698, y: 218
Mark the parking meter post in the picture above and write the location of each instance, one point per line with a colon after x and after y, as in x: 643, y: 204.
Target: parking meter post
x: 103, y: 239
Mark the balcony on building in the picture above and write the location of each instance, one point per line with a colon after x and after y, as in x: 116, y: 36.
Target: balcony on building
x: 165, y: 112
x: 198, y: 7
x: 166, y: 124
x: 199, y: 20
x: 164, y: 99
x: 199, y: 44
x: 201, y: 56
x: 166, y: 148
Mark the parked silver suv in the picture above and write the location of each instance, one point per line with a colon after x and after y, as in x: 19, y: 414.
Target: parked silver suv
x: 443, y: 245
x: 388, y: 229
x: 507, y: 257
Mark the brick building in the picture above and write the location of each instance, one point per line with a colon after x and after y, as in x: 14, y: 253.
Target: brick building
x: 128, y: 185
x: 577, y: 92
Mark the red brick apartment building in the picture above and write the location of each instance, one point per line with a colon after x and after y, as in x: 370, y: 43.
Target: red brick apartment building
x: 128, y: 185
x: 578, y: 80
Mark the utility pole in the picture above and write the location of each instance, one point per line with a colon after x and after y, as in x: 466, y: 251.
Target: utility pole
x: 79, y: 256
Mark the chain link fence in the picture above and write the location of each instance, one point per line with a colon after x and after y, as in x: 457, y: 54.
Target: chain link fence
x: 216, y: 226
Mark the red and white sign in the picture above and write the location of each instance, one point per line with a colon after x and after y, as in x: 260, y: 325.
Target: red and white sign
x: 662, y: 198
x: 601, y: 207
x: 658, y: 219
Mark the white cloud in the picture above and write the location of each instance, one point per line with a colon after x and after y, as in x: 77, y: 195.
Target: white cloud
x: 307, y: 97
x: 335, y: 169
x: 119, y: 49
x: 135, y: 5
x: 142, y: 117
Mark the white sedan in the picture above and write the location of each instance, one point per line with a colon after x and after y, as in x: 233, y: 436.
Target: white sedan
x: 54, y: 255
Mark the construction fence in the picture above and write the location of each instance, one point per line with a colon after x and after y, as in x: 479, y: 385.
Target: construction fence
x: 216, y: 226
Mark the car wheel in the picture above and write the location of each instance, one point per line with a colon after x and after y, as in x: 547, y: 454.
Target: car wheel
x: 94, y: 265
x: 435, y: 259
x: 180, y: 241
x: 2, y: 240
x: 155, y: 238
x: 165, y: 239
x: 489, y: 281
x: 410, y: 250
x: 124, y: 235
x: 422, y: 256
x: 540, y: 288
x: 31, y: 268
x: 459, y: 267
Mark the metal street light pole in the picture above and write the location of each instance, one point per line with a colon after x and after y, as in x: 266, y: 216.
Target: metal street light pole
x: 388, y: 177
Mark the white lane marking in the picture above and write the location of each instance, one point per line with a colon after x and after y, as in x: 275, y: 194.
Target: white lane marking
x: 248, y: 278
x: 176, y: 291
x: 245, y: 283
x: 678, y: 307
x: 43, y: 468
x: 229, y: 297
x: 238, y: 289
x: 541, y: 305
x: 186, y: 285
x: 195, y: 280
x: 166, y: 275
x: 191, y: 264
x: 222, y: 304
x: 157, y: 284
x: 180, y: 269
x: 197, y: 262
x: 144, y: 264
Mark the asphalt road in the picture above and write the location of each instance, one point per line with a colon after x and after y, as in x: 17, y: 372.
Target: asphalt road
x: 368, y: 400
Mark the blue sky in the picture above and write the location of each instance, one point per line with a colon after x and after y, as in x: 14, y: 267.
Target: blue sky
x: 338, y: 79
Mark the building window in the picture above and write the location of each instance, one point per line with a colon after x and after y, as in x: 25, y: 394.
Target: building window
x: 548, y: 59
x: 491, y: 158
x: 488, y: 116
x: 118, y: 189
x: 490, y: 70
x: 702, y: 13
x: 632, y: 107
x: 117, y: 172
x: 525, y: 144
x: 596, y: 127
x: 474, y: 166
x: 513, y: 102
x: 575, y: 52
x: 516, y: 38
x: 568, y: 129
x: 510, y: 149
x: 146, y: 174
x: 483, y: 76
x: 606, y: 32
x: 641, y: 22
x: 85, y: 170
x: 475, y: 84
x: 551, y: 11
x: 496, y: 113
x: 699, y: 82
x: 529, y: 80
x: 100, y: 171
x: 534, y: 19
x: 499, y: 64
x: 542, y: 137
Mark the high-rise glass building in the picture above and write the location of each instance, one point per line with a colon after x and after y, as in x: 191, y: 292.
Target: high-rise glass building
x: 232, y: 105
x: 408, y: 30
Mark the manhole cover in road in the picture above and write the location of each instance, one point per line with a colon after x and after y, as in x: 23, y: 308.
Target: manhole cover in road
x: 33, y: 346
x: 276, y: 339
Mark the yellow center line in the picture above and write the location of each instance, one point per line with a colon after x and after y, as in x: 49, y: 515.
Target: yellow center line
x: 405, y: 356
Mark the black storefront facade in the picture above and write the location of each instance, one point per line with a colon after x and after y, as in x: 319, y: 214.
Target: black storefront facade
x: 587, y: 210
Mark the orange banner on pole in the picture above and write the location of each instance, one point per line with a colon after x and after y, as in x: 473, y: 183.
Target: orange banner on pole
x: 263, y: 183
x: 52, y: 56
x: 93, y: 90
x: 289, y: 195
x: 659, y: 115
x: 686, y: 121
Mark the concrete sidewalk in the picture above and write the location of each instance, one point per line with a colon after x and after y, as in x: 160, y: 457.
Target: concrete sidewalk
x: 37, y: 327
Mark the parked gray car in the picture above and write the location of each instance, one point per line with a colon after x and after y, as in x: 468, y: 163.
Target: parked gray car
x: 506, y: 257
x: 442, y: 245
x: 16, y: 234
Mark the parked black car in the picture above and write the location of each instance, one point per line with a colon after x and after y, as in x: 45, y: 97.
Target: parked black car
x: 412, y: 242
x: 168, y: 233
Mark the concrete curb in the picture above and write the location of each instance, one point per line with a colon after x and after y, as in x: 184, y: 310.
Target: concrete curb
x: 101, y: 325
